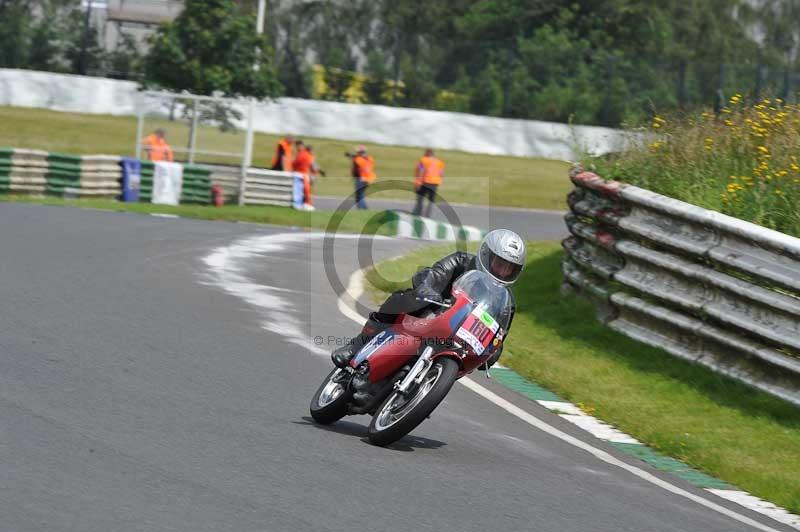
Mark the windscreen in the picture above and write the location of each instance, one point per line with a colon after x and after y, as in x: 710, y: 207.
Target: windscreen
x: 486, y: 293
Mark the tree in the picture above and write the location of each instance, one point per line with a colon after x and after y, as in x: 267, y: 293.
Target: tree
x: 419, y: 89
x: 293, y: 71
x: 377, y: 78
x: 211, y: 47
x: 486, y: 97
x: 45, y: 48
x: 124, y: 62
x: 83, y: 51
x: 15, y: 17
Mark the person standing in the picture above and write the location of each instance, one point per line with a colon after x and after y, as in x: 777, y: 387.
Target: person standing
x: 282, y: 160
x: 363, y: 172
x: 316, y: 171
x: 302, y: 165
x: 428, y: 176
x: 156, y: 147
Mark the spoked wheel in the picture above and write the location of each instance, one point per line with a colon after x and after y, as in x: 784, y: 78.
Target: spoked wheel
x: 329, y: 404
x: 399, y: 414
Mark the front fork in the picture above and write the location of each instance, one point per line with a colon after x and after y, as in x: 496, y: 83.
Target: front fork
x: 417, y: 371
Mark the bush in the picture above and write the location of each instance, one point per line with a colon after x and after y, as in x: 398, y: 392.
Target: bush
x: 743, y: 162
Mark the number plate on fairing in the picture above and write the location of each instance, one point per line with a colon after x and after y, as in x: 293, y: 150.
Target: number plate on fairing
x: 478, y: 330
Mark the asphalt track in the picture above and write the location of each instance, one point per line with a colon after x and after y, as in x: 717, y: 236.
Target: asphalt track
x: 155, y: 375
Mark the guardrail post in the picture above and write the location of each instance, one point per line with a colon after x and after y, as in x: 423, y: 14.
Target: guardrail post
x: 242, y: 185
x: 193, y: 134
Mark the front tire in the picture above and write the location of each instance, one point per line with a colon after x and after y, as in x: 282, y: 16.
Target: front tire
x: 329, y: 404
x: 398, y: 415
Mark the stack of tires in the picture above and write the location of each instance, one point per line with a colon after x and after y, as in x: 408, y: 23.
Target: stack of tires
x: 63, y: 175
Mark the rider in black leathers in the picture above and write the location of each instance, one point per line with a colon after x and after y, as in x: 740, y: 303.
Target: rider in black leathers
x: 502, y: 251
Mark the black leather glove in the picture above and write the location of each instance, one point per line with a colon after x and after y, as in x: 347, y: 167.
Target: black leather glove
x: 424, y: 292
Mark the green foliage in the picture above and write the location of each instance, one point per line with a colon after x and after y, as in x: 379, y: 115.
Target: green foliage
x: 743, y: 163
x: 52, y: 35
x: 486, y: 96
x: 124, y: 62
x: 611, y: 62
x: 376, y: 84
x: 83, y: 51
x: 14, y: 33
x: 419, y: 89
x: 212, y: 48
x: 293, y: 71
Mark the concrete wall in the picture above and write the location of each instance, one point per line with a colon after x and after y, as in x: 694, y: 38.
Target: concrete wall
x: 369, y: 123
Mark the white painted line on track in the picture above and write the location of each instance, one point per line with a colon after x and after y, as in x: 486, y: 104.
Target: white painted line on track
x: 759, y: 505
x: 227, y: 270
x: 163, y: 215
x: 355, y: 289
x: 606, y: 457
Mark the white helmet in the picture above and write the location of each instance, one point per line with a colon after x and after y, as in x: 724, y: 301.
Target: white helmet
x: 502, y: 255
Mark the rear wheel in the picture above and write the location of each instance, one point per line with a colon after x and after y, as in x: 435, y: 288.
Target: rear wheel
x: 329, y: 404
x: 399, y: 414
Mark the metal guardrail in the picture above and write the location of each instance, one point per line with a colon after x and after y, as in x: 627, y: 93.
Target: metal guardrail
x: 701, y: 285
x: 39, y: 172
x: 267, y: 187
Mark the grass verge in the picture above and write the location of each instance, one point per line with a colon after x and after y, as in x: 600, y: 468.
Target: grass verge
x: 353, y: 221
x: 471, y: 178
x: 728, y: 430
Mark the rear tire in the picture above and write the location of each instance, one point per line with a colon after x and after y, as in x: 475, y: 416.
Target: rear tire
x: 329, y: 404
x: 397, y: 417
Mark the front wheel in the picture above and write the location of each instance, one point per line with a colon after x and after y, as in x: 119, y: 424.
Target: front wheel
x: 329, y: 404
x: 399, y: 415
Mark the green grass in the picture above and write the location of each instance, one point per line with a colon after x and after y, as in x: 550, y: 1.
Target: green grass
x: 471, y: 178
x: 354, y: 221
x: 723, y: 428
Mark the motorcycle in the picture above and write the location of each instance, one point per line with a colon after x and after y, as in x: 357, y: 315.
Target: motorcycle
x: 402, y: 374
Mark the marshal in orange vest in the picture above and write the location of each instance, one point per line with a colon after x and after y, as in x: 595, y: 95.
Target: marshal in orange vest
x: 282, y: 160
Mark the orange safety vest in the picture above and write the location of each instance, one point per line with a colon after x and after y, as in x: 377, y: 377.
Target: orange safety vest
x: 430, y: 171
x: 302, y: 163
x: 282, y: 160
x: 157, y: 148
x: 366, y: 168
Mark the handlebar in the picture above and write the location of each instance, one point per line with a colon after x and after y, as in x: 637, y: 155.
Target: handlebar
x: 433, y: 302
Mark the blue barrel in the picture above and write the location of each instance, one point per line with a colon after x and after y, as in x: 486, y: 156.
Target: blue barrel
x: 131, y: 179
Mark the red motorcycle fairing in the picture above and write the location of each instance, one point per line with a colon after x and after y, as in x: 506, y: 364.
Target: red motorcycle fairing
x: 393, y: 348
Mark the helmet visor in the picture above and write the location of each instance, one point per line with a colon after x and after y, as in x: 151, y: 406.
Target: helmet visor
x: 504, y: 270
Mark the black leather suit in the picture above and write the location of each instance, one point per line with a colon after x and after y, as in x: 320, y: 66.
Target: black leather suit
x: 438, y: 278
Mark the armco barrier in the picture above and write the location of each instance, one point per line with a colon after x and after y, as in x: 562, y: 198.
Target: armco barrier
x: 100, y: 176
x: 39, y: 172
x: 410, y: 226
x: 63, y: 175
x: 268, y: 187
x: 27, y: 173
x: 228, y: 177
x: 704, y: 286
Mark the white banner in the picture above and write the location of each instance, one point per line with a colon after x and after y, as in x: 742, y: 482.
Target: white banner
x: 367, y: 123
x: 167, y: 183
